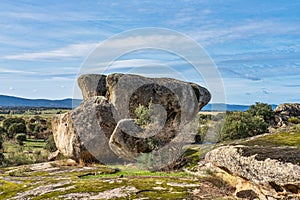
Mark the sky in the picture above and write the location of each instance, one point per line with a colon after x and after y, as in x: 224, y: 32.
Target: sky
x: 255, y: 44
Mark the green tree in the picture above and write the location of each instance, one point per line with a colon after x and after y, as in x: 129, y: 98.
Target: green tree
x: 39, y: 128
x: 1, y: 130
x: 16, y: 128
x: 1, y: 147
x: 50, y: 144
x: 14, y: 120
x: 21, y: 137
x: 2, y: 118
x: 31, y: 127
x: 239, y: 125
x: 263, y: 110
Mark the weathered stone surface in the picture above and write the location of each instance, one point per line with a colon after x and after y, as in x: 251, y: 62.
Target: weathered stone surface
x: 127, y: 91
x: 95, y: 120
x: 84, y: 133
x: 268, y: 172
x: 94, y: 130
x: 53, y: 155
x: 92, y: 85
x: 175, y: 103
x: 127, y: 140
x: 286, y: 111
x: 66, y: 140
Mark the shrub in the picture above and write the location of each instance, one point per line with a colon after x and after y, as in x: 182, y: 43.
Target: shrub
x: 1, y: 147
x: 262, y: 110
x: 39, y: 128
x: 239, y: 125
x: 143, y: 114
x: 50, y: 144
x: 204, y: 118
x: 2, y: 118
x: 20, y: 137
x: 16, y: 128
x: 8, y: 122
x: 30, y: 127
x: 294, y: 120
x: 201, y: 133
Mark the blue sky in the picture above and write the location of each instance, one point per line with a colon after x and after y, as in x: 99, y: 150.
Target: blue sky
x: 255, y: 44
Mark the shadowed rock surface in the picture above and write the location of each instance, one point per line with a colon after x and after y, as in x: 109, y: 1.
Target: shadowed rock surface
x: 269, y: 172
x: 286, y: 111
x: 178, y: 101
x: 89, y: 126
x: 92, y: 85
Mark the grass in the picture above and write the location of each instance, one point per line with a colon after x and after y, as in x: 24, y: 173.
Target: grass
x: 276, y: 140
x: 31, y: 152
x: 30, y: 145
x: 136, y: 172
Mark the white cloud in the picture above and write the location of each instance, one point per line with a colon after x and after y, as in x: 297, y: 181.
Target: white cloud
x: 70, y: 51
x: 248, y: 29
x: 12, y: 71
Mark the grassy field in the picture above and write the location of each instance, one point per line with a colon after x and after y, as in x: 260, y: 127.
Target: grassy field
x: 32, y: 151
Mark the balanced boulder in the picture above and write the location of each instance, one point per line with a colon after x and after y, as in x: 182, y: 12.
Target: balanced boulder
x: 104, y: 126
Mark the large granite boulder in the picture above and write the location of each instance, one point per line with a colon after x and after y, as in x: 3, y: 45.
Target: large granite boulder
x: 83, y: 134
x: 104, y: 127
x: 175, y: 103
x: 92, y: 85
x: 261, y: 172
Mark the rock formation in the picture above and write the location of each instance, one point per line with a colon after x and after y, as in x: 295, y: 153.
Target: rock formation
x: 83, y: 134
x: 92, y: 85
x: 285, y: 111
x: 103, y: 126
x: 259, y: 172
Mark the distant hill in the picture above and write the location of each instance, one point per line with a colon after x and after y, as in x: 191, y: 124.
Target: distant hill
x: 9, y: 101
x: 228, y: 107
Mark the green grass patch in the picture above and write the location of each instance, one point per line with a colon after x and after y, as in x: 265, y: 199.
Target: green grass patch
x: 35, y: 143
x: 31, y: 152
x: 276, y: 140
x: 133, y: 172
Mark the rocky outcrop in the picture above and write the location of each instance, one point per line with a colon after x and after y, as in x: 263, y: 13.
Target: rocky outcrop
x: 175, y: 104
x: 263, y: 172
x: 285, y: 111
x: 288, y: 109
x: 104, y: 127
x: 83, y: 134
x: 92, y: 85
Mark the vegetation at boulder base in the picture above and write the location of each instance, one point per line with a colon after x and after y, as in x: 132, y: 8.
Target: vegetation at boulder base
x: 26, y: 138
x: 239, y: 125
x: 236, y: 125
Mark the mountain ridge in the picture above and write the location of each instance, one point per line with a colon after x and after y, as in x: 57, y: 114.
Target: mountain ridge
x: 12, y: 101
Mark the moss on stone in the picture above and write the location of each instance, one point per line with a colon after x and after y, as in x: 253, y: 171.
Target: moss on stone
x: 276, y: 140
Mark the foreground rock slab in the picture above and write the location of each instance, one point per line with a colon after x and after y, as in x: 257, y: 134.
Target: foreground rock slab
x: 262, y: 172
x: 67, y: 180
